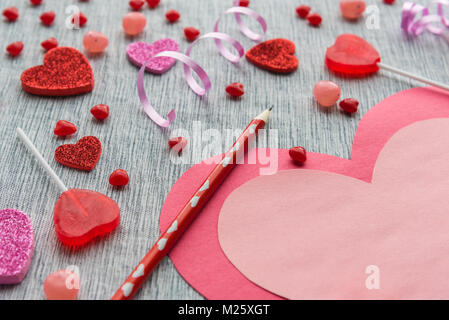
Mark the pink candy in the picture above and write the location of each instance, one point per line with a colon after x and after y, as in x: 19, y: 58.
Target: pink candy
x: 16, y: 245
x: 62, y: 285
x: 133, y: 23
x: 352, y: 9
x: 327, y: 93
x: 95, y: 42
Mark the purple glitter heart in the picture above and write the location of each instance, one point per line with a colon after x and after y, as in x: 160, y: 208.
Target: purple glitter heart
x: 140, y: 52
x: 16, y: 245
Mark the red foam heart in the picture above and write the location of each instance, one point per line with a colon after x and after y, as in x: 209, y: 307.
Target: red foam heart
x: 274, y: 55
x: 81, y: 215
x: 352, y: 55
x: 65, y: 72
x: 83, y: 155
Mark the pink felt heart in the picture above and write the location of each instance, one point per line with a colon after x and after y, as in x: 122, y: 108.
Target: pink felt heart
x: 352, y: 55
x: 16, y: 245
x: 306, y: 234
x: 213, y: 275
x: 140, y: 52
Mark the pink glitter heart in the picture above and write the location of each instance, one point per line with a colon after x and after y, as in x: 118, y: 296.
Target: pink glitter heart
x: 140, y: 52
x: 16, y: 245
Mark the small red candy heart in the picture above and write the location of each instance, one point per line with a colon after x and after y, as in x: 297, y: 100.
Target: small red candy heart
x: 119, y: 178
x: 298, y: 154
x: 81, y: 215
x: 349, y: 105
x: 64, y: 128
x: 49, y: 44
x: 48, y: 17
x: 172, y: 16
x: 136, y: 4
x: 177, y: 144
x: 65, y: 72
x: 15, y: 48
x: 153, y: 3
x: 83, y: 155
x: 191, y: 33
x: 100, y: 111
x: 79, y: 19
x: 235, y: 89
x: 352, y: 55
x: 274, y: 55
x: 11, y: 13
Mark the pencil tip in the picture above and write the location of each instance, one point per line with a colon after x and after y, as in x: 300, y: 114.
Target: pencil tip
x: 271, y: 108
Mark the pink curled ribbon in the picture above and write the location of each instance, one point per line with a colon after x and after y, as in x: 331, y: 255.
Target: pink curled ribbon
x: 416, y: 18
x: 190, y: 64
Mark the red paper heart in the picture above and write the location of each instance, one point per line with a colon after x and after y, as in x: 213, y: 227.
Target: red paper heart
x: 81, y: 215
x: 65, y: 72
x: 83, y: 155
x: 274, y: 55
x: 352, y: 55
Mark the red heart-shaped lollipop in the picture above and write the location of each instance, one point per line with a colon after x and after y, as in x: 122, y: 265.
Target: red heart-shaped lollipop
x: 274, y: 55
x: 65, y: 72
x: 81, y: 215
x: 83, y: 155
x: 352, y: 55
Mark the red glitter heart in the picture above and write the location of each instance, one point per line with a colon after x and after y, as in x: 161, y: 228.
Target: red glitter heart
x: 65, y: 72
x: 274, y: 55
x: 352, y: 55
x: 81, y: 215
x: 83, y: 155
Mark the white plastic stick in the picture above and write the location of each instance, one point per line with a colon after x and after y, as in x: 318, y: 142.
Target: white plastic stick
x: 41, y: 159
x: 413, y: 76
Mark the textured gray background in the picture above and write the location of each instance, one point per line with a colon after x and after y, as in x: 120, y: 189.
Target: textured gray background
x: 131, y: 141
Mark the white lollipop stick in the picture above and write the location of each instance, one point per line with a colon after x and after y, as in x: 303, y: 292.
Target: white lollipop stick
x: 40, y: 159
x: 413, y: 76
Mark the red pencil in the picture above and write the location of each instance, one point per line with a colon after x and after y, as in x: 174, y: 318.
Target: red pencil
x: 160, y: 249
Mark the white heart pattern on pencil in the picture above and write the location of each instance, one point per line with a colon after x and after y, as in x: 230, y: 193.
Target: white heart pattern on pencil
x: 194, y: 201
x: 225, y: 162
x: 205, y: 186
x: 173, y: 227
x: 127, y: 289
x: 140, y: 271
x: 161, y: 244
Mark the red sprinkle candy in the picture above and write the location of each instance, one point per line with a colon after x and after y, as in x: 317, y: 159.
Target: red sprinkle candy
x: 11, y: 13
x: 303, y: 11
x: 191, y: 33
x: 79, y: 19
x: 349, y: 105
x: 314, y: 19
x: 389, y: 1
x: 136, y: 4
x: 100, y: 111
x: 119, y: 178
x: 244, y: 3
x: 153, y: 3
x: 235, y: 89
x: 49, y: 43
x: 64, y: 128
x: 177, y: 144
x: 15, y: 48
x: 172, y: 15
x: 298, y: 154
x: 36, y: 2
x: 48, y: 17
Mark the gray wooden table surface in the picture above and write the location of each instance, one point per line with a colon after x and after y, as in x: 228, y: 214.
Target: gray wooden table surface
x: 131, y: 141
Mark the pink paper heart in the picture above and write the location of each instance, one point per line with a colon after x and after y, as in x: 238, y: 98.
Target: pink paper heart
x: 306, y: 234
x: 140, y: 52
x: 16, y: 245
x: 198, y: 255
